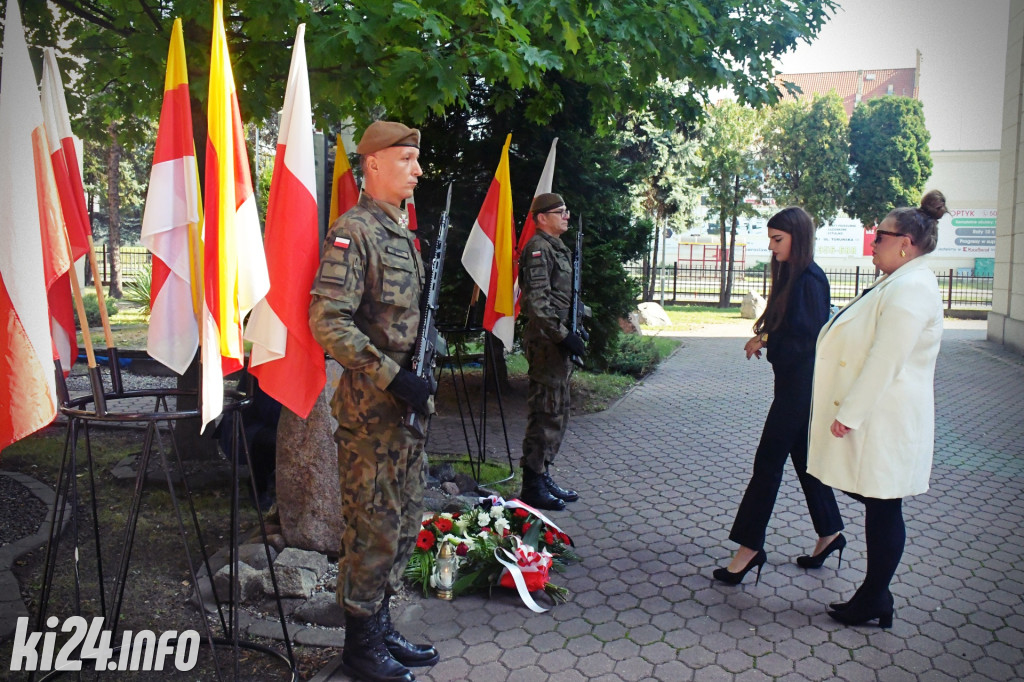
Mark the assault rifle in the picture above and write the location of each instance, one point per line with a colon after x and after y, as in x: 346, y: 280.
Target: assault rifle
x: 576, y: 310
x: 424, y: 357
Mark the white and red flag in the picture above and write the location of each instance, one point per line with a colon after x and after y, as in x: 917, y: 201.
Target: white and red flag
x: 547, y: 177
x: 235, y: 274
x: 172, y: 221
x: 60, y: 149
x: 28, y: 396
x: 488, y: 256
x: 344, y: 192
x: 66, y: 169
x: 286, y: 359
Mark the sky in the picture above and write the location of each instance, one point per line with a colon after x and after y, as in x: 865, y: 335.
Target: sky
x: 963, y: 48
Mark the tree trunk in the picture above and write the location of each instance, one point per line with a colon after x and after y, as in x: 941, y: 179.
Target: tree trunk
x: 727, y: 293
x: 114, y: 211
x: 723, y: 294
x: 654, y: 266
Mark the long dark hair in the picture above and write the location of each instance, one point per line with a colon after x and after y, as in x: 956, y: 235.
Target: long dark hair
x: 799, y: 225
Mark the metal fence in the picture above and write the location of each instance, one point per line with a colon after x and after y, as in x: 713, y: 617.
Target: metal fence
x: 134, y: 259
x: 680, y: 284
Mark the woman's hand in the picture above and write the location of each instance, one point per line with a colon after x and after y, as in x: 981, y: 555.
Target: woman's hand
x: 839, y: 430
x: 753, y: 347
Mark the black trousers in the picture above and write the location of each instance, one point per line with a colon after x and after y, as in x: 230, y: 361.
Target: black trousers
x: 885, y: 535
x: 784, y: 435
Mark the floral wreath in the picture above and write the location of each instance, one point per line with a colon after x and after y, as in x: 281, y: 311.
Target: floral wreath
x: 494, y: 541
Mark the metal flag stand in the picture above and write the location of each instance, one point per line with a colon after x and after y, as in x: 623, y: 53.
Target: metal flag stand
x: 477, y: 420
x: 90, y: 409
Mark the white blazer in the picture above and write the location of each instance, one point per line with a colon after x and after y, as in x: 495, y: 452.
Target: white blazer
x: 874, y: 371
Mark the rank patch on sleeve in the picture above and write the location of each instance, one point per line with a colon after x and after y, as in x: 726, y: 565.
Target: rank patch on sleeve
x: 342, y: 242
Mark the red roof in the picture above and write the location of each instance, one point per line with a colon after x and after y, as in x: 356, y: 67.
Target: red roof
x: 869, y: 83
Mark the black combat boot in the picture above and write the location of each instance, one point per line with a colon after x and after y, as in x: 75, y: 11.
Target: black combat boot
x: 365, y: 657
x: 401, y: 649
x: 557, y: 490
x: 536, y: 494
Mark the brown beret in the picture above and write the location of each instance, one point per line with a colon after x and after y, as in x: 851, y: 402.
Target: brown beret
x: 383, y: 134
x: 546, y: 202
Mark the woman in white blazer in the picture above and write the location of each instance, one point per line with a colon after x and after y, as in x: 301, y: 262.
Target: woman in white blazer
x: 873, y: 402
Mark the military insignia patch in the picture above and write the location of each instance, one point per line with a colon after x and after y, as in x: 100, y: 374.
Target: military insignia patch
x: 535, y: 254
x: 342, y: 242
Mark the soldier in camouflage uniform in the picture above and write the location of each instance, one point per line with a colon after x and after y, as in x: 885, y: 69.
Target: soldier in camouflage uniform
x: 365, y: 313
x: 545, y: 278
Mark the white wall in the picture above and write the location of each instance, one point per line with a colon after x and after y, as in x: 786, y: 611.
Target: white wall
x: 1006, y: 321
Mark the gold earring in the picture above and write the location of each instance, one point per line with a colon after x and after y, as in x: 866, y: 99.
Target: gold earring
x: 903, y: 254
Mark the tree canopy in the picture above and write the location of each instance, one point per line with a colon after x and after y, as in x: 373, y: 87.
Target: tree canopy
x: 890, y: 156
x: 414, y: 58
x: 807, y: 155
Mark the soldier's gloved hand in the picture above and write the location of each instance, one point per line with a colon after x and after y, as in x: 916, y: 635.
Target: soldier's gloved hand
x: 411, y: 390
x: 574, y: 344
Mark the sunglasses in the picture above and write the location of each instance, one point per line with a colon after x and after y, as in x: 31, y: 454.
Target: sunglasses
x: 564, y: 212
x: 880, y: 233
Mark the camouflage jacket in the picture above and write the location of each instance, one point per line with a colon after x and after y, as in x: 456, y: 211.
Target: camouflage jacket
x: 365, y: 310
x: 545, y: 278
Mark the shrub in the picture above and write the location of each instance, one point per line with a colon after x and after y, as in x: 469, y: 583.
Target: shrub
x: 635, y: 355
x: 136, y: 290
x: 92, y: 310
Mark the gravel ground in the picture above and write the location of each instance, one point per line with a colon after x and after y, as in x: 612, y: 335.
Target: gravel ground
x: 23, y: 511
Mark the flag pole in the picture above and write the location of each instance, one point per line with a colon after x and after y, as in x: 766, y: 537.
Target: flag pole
x: 108, y: 336
x: 472, y: 304
x: 94, y: 374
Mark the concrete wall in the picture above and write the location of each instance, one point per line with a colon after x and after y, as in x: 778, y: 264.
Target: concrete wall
x: 1006, y: 321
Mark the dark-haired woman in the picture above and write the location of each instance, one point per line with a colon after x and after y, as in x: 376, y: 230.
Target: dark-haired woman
x: 797, y: 307
x: 873, y: 419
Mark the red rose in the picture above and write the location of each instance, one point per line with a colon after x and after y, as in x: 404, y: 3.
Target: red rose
x: 549, y: 538
x: 564, y: 538
x: 462, y: 549
x: 521, y: 513
x: 505, y: 533
x: 425, y: 540
x: 443, y: 525
x: 526, y: 527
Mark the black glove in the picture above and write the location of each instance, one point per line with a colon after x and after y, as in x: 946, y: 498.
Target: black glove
x: 574, y: 344
x: 411, y: 390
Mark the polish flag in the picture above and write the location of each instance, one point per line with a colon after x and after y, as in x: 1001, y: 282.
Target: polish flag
x: 64, y: 157
x: 488, y: 253
x: 547, y: 176
x: 28, y: 395
x: 235, y: 274
x: 172, y: 221
x: 344, y: 192
x: 286, y: 359
x: 71, y: 197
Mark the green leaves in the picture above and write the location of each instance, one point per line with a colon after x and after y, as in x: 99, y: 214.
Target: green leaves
x: 890, y: 155
x: 806, y: 149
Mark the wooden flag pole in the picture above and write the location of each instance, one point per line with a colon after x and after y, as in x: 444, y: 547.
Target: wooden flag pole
x: 90, y: 355
x: 107, y: 335
x: 472, y: 304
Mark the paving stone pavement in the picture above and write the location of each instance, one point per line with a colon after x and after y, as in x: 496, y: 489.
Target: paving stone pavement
x: 661, y: 474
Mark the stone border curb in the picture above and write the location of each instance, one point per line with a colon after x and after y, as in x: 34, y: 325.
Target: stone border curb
x: 11, y: 605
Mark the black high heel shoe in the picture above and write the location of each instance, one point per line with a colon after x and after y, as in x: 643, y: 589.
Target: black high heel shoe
x: 728, y: 577
x: 853, y: 613
x: 818, y: 559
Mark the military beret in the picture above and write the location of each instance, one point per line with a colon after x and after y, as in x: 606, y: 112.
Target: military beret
x: 546, y: 202
x: 383, y: 134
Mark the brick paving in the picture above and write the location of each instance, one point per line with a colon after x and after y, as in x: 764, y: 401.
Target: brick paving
x: 661, y: 474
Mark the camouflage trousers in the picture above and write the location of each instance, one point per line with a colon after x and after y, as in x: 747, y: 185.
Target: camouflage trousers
x: 382, y: 473
x: 545, y: 424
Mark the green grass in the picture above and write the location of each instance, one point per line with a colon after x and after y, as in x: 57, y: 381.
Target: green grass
x: 491, y: 472
x: 689, y: 317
